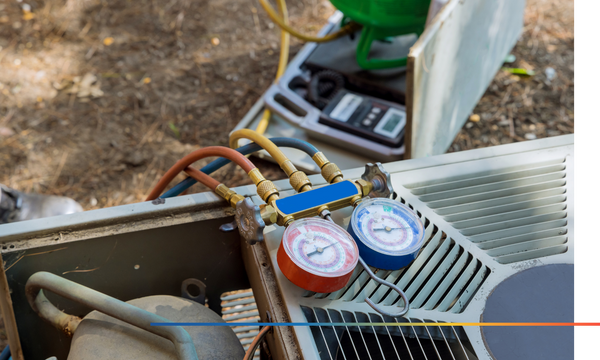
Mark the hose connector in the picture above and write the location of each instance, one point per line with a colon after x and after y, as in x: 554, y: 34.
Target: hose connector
x: 330, y: 171
x: 300, y: 182
x: 298, y: 179
x: 229, y: 195
x: 265, y: 188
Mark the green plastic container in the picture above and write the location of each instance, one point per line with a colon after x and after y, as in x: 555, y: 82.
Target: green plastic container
x: 382, y: 19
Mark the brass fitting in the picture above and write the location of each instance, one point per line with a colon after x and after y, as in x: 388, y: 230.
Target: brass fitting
x: 300, y: 182
x: 256, y: 176
x: 267, y: 191
x: 286, y: 221
x: 288, y: 167
x: 265, y: 188
x: 355, y: 200
x: 229, y: 195
x: 320, y: 159
x: 364, y: 186
x: 268, y: 214
x: 330, y: 171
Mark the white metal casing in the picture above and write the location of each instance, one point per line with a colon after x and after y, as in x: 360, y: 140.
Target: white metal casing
x: 490, y: 212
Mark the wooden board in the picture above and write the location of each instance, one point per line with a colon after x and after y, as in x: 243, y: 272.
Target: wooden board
x: 451, y: 66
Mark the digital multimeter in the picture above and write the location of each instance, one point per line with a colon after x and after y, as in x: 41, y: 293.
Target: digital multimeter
x: 365, y: 116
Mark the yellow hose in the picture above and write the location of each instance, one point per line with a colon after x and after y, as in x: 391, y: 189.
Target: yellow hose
x: 282, y: 24
x: 298, y: 179
x: 261, y: 140
x: 283, y: 60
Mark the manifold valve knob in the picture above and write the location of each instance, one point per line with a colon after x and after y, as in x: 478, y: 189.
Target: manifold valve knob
x: 381, y: 180
x: 250, y: 223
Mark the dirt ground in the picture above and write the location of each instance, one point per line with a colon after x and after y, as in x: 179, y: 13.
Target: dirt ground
x: 98, y: 98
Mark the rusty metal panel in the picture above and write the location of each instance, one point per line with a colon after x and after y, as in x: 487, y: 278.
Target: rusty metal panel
x: 127, y: 252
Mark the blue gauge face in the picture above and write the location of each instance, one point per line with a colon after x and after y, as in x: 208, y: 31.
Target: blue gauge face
x: 387, y: 227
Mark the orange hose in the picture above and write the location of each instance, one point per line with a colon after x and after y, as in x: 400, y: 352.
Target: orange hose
x: 194, y: 156
x: 202, y: 178
x: 252, y: 348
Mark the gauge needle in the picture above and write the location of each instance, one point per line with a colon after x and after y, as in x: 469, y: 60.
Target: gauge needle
x: 388, y: 229
x: 319, y: 250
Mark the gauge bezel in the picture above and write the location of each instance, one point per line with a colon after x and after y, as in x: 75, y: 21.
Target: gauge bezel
x: 394, y: 256
x: 341, y: 235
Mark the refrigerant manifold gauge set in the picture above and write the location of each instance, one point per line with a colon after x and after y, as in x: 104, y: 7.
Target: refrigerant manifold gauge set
x: 315, y: 253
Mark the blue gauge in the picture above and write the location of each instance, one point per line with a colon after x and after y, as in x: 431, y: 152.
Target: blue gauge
x: 388, y: 234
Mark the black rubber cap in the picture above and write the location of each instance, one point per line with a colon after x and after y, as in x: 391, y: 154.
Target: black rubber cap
x: 539, y: 294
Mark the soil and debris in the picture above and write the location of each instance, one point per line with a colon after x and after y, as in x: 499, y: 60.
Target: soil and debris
x: 98, y: 98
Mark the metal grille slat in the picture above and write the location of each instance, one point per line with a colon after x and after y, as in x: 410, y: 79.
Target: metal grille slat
x: 241, y: 316
x: 476, y: 181
x: 490, y: 207
x: 496, y: 194
x: 532, y: 254
x: 462, y: 347
x: 340, y: 347
x: 362, y: 335
x: 429, y: 267
x: 355, y: 274
x: 372, y: 285
x: 237, y: 296
x: 478, y: 189
x: 531, y: 220
x: 233, y: 310
x: 249, y: 300
x: 445, y: 284
x: 355, y: 288
x: 250, y: 334
x: 241, y: 329
x: 376, y: 318
x: 508, y: 216
x: 520, y: 230
x: 508, y: 184
x: 458, y: 286
x: 474, y: 207
x: 465, y: 176
x: 446, y: 342
x: 436, y: 277
x: 547, y: 234
x: 412, y: 270
x: 469, y: 291
x: 528, y: 246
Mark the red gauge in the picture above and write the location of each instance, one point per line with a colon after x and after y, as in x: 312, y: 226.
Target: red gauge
x: 317, y: 255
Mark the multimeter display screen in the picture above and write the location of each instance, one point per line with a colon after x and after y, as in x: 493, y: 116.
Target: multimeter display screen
x: 392, y: 122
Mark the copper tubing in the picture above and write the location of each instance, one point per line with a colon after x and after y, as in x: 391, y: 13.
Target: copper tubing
x: 256, y: 343
x: 202, y: 178
x: 194, y: 156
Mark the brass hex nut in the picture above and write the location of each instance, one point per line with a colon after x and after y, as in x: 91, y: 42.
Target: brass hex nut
x: 266, y: 189
x: 332, y: 173
x: 300, y: 182
x: 364, y: 186
x: 268, y: 214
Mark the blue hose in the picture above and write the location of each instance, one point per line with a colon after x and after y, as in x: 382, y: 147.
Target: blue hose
x: 245, y: 150
x: 5, y: 355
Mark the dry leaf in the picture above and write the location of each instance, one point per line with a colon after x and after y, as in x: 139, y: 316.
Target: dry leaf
x: 108, y: 41
x: 27, y: 15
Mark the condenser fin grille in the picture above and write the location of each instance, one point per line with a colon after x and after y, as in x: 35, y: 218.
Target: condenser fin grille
x: 514, y: 213
x: 444, y: 277
x: 351, y: 342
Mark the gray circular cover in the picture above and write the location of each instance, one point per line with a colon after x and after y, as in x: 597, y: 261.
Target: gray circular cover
x: 540, y: 294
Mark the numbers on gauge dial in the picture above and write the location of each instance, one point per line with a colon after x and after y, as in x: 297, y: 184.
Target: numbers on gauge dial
x: 386, y: 228
x: 317, y: 249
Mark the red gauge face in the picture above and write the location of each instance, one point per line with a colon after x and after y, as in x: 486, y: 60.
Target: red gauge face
x: 320, y: 250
